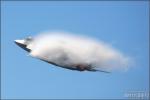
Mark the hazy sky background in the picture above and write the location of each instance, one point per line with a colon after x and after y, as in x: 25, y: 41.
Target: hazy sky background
x: 124, y: 25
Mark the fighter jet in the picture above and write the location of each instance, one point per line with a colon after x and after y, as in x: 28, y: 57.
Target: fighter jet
x: 23, y: 43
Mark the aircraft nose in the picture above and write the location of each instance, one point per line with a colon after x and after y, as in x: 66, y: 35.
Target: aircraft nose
x: 19, y: 41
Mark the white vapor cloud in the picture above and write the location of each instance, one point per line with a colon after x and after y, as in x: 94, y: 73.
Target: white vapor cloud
x: 67, y: 49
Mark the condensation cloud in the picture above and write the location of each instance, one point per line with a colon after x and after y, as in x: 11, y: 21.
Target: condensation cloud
x: 67, y: 49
